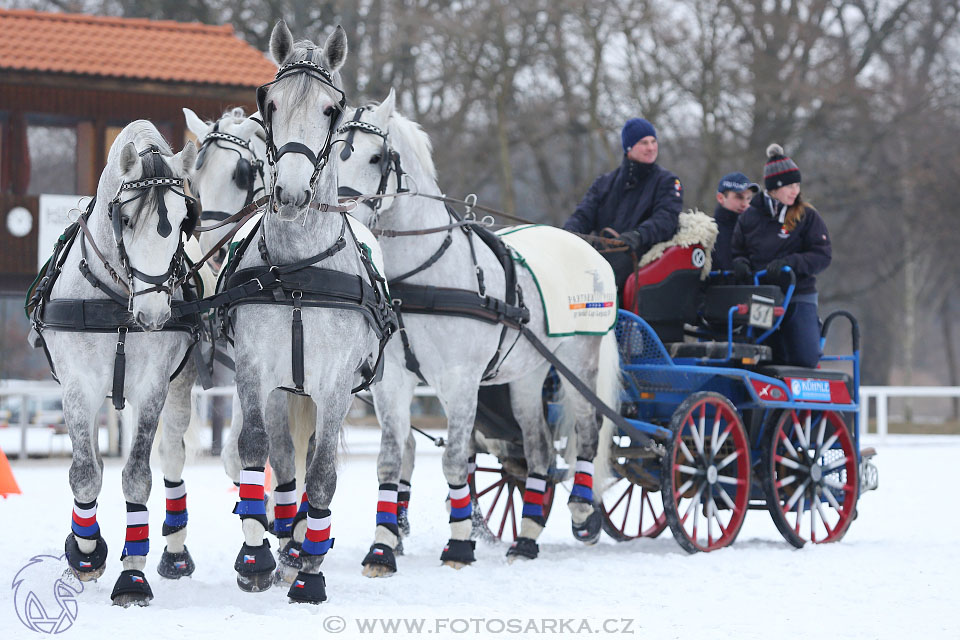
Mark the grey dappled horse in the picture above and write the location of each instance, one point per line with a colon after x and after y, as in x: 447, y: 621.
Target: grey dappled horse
x: 454, y: 353
x: 85, y: 362
x: 300, y: 110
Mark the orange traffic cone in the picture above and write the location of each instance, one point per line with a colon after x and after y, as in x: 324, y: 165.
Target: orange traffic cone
x: 8, y: 485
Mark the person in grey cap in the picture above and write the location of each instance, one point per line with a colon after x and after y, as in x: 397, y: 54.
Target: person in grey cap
x: 639, y: 201
x: 733, y: 198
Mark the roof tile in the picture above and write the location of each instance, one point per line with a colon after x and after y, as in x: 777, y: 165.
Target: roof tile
x: 129, y: 48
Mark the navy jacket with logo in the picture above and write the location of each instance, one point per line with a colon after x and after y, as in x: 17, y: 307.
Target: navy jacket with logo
x: 635, y: 196
x: 760, y: 237
x: 723, y: 250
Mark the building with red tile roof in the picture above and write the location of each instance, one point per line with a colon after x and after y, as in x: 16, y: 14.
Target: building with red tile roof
x: 69, y: 83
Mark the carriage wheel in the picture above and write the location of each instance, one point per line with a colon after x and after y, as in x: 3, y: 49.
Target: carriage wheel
x: 810, y: 479
x: 632, y: 511
x: 498, y: 499
x: 706, y: 473
x: 631, y: 503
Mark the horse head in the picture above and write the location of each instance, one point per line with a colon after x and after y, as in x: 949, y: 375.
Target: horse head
x: 229, y: 170
x: 301, y: 110
x: 147, y: 213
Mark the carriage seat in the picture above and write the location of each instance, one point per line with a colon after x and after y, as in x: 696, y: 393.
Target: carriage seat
x: 666, y: 292
x: 743, y: 352
x: 719, y: 298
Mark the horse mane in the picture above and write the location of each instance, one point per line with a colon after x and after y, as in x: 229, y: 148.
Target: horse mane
x: 407, y: 133
x: 236, y: 116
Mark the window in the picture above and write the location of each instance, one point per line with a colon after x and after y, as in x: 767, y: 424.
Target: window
x: 53, y: 159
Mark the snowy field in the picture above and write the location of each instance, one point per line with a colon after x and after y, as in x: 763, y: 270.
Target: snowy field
x: 895, y: 575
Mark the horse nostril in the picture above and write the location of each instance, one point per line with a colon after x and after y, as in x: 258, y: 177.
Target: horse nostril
x: 306, y: 197
x: 278, y: 193
x: 140, y: 318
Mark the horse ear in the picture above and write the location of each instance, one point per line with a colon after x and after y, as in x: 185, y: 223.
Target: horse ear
x: 335, y: 49
x: 188, y: 158
x: 281, y: 42
x: 197, y: 126
x: 129, y: 159
x: 385, y: 110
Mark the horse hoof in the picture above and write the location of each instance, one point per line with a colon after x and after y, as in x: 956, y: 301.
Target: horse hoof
x: 174, y: 566
x: 308, y: 588
x: 131, y: 588
x: 523, y: 548
x: 379, y: 561
x: 588, y: 531
x: 86, y: 566
x: 458, y: 553
x: 255, y: 567
x: 398, y: 550
x: 285, y: 574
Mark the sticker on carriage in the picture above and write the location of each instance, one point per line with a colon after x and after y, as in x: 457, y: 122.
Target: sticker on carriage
x: 761, y: 311
x: 810, y: 389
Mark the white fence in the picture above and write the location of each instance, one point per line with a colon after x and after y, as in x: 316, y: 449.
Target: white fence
x: 882, y: 395
x: 29, y: 398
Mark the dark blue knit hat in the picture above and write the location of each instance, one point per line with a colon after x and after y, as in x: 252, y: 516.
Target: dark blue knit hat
x: 780, y: 170
x: 635, y: 130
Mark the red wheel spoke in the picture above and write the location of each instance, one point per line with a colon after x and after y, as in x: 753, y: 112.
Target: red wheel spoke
x: 622, y: 496
x: 493, y: 505
x: 498, y: 483
x: 626, y: 511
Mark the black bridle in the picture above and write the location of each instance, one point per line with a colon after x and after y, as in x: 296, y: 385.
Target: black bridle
x: 163, y: 283
x: 244, y: 173
x: 389, y: 158
x: 317, y: 159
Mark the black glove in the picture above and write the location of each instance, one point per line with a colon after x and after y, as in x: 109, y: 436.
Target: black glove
x: 776, y: 266
x: 742, y: 272
x: 633, y: 240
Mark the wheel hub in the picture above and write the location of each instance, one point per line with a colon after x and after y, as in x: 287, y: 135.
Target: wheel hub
x: 712, y: 474
x: 816, y: 473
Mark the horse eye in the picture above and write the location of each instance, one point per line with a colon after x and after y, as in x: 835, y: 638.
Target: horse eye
x: 330, y: 111
x: 125, y: 219
x: 375, y: 159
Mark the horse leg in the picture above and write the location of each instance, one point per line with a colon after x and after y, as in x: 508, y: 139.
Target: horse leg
x: 459, y: 398
x: 230, y: 454
x: 284, y: 496
x: 404, y: 488
x: 255, y: 563
x: 85, y: 548
x: 585, y: 517
x: 392, y: 399
x: 526, y: 401
x: 176, y: 561
x: 132, y: 586
x: 321, y: 483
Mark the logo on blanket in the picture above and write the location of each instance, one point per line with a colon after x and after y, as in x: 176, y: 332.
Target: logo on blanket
x: 698, y: 258
x: 594, y: 303
x: 45, y: 594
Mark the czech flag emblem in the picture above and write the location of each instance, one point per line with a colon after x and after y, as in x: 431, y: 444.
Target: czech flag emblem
x: 299, y: 584
x: 136, y: 578
x: 249, y: 559
x: 85, y: 565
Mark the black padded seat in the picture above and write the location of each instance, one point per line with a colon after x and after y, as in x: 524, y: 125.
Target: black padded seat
x: 719, y: 298
x: 718, y: 351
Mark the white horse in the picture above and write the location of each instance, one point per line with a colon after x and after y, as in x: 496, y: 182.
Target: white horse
x: 454, y: 353
x: 227, y: 177
x: 125, y: 293
x: 307, y: 260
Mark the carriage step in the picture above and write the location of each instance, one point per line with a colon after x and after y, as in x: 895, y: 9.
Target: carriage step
x: 87, y: 566
x: 176, y: 565
x: 524, y: 548
x: 131, y: 588
x: 869, y: 474
x: 308, y: 588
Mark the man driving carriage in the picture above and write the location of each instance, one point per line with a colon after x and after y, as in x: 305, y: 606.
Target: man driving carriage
x: 639, y: 201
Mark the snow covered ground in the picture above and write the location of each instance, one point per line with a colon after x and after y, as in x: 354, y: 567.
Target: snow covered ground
x: 895, y: 575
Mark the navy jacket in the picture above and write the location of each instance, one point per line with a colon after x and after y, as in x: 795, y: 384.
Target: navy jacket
x: 723, y: 250
x: 635, y: 196
x: 760, y: 237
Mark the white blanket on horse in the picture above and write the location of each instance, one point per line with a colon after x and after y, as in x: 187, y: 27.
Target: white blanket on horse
x: 366, y: 238
x: 576, y: 284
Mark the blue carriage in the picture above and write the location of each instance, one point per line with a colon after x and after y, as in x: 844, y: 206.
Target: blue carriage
x: 732, y: 432
x: 738, y: 432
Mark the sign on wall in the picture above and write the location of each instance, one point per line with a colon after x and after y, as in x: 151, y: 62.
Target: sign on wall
x: 55, y: 216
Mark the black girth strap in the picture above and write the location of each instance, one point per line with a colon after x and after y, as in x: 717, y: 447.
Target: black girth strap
x: 296, y: 332
x: 119, y: 370
x: 416, y: 298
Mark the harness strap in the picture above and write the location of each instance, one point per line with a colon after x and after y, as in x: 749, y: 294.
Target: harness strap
x: 119, y: 370
x: 430, y: 261
x: 409, y: 357
x: 296, y: 332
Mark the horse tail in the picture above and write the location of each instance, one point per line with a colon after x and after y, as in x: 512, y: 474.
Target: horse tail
x: 302, y: 418
x: 609, y: 389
